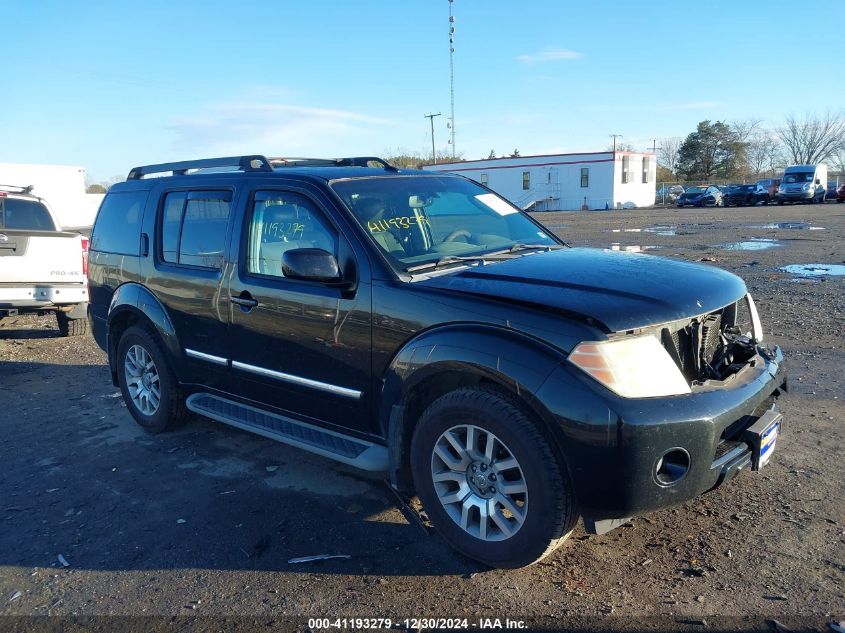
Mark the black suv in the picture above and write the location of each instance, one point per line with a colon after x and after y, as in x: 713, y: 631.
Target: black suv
x: 417, y: 323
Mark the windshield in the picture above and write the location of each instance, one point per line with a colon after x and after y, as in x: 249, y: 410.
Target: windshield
x: 801, y: 176
x: 24, y: 215
x: 417, y: 220
x: 692, y: 190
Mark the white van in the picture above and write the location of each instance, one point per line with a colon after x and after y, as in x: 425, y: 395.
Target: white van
x: 803, y: 183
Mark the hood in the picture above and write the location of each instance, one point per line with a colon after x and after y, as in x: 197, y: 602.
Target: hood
x: 620, y: 290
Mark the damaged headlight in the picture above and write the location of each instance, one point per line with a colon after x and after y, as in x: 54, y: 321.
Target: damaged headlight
x: 633, y: 367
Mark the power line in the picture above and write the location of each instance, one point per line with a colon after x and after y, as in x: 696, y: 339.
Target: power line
x: 430, y: 117
x: 614, y: 140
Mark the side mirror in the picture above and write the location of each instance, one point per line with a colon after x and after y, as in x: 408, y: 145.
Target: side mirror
x: 310, y: 264
x: 818, y: 182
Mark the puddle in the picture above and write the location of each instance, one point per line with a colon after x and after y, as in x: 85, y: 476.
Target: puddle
x: 616, y: 246
x: 815, y: 270
x: 795, y: 226
x: 754, y: 244
x: 666, y: 231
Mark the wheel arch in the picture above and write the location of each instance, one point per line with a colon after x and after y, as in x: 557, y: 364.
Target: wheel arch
x: 450, y: 357
x: 135, y: 304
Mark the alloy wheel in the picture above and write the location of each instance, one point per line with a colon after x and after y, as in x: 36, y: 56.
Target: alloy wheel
x: 479, y: 482
x: 142, y: 380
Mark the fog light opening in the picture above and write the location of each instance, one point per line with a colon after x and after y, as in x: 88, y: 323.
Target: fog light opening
x: 672, y: 467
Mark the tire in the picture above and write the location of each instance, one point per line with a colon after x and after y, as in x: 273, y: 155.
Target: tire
x: 135, y: 348
x: 543, y: 505
x: 71, y: 327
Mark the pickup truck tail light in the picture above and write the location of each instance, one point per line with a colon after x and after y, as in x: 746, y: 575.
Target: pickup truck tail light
x: 85, y: 257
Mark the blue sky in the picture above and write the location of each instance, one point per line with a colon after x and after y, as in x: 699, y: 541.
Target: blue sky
x: 108, y: 85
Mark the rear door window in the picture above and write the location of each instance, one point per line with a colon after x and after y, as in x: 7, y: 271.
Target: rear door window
x: 193, y: 227
x: 118, y: 225
x: 25, y: 215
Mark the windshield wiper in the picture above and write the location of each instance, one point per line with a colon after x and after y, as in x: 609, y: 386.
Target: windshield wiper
x: 451, y: 259
x: 532, y: 247
x: 481, y: 259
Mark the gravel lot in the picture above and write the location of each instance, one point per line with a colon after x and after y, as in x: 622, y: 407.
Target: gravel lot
x: 203, y: 521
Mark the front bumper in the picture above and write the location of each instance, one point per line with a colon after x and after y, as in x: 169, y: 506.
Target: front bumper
x: 795, y: 195
x: 33, y: 297
x: 612, y: 445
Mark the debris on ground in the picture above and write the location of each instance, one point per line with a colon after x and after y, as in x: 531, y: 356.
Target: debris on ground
x: 63, y: 561
x: 308, y: 559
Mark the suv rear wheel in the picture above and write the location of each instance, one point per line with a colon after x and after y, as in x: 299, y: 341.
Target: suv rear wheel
x: 489, y: 480
x: 148, y: 385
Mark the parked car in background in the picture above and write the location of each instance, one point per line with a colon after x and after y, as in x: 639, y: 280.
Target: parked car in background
x: 704, y: 196
x: 745, y: 195
x: 42, y: 267
x: 805, y: 184
x: 840, y: 193
x: 668, y: 193
x: 771, y: 185
x: 832, y: 188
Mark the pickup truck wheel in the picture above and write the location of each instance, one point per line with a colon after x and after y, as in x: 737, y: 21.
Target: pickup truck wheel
x: 71, y: 327
x: 147, y: 383
x: 489, y: 480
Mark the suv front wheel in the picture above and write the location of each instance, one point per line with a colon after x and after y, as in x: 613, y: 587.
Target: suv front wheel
x: 148, y: 385
x: 489, y: 480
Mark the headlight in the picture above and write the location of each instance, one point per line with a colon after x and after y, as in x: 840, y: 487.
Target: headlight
x: 807, y: 187
x: 633, y: 367
x: 781, y: 189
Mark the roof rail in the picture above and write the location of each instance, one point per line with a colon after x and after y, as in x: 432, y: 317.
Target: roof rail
x: 352, y: 161
x: 255, y: 162
x: 18, y: 189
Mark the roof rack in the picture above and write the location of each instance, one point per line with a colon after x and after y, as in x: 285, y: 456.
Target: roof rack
x: 255, y: 162
x: 352, y: 161
x: 18, y: 189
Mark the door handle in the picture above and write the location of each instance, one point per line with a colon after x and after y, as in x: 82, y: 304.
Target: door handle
x: 245, y: 301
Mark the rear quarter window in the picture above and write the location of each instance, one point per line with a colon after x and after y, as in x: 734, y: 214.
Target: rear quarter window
x: 118, y: 225
x: 25, y: 215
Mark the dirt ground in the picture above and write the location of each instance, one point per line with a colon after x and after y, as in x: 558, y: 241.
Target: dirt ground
x: 204, y: 520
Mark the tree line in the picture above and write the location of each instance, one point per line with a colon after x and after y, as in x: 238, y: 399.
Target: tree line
x: 744, y: 150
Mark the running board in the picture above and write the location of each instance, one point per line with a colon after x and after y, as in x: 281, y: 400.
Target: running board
x: 337, y: 446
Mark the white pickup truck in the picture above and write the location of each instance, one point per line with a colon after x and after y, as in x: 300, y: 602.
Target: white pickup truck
x: 42, y: 268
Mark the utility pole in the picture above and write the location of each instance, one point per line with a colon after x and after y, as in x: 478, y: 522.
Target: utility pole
x: 430, y: 117
x: 452, y: 77
x: 614, y: 141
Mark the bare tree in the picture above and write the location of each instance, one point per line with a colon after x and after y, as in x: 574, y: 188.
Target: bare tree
x: 745, y: 130
x: 763, y: 147
x: 813, y: 138
x: 667, y: 152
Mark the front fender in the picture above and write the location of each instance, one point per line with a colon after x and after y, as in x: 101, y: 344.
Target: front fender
x: 513, y: 360
x: 135, y: 301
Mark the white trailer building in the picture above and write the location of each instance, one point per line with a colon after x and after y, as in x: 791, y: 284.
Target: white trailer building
x: 551, y: 182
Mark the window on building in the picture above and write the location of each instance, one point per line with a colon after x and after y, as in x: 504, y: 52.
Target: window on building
x: 526, y: 180
x: 645, y: 168
x: 483, y: 180
x: 626, y: 169
x: 585, y: 176
x: 193, y: 227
